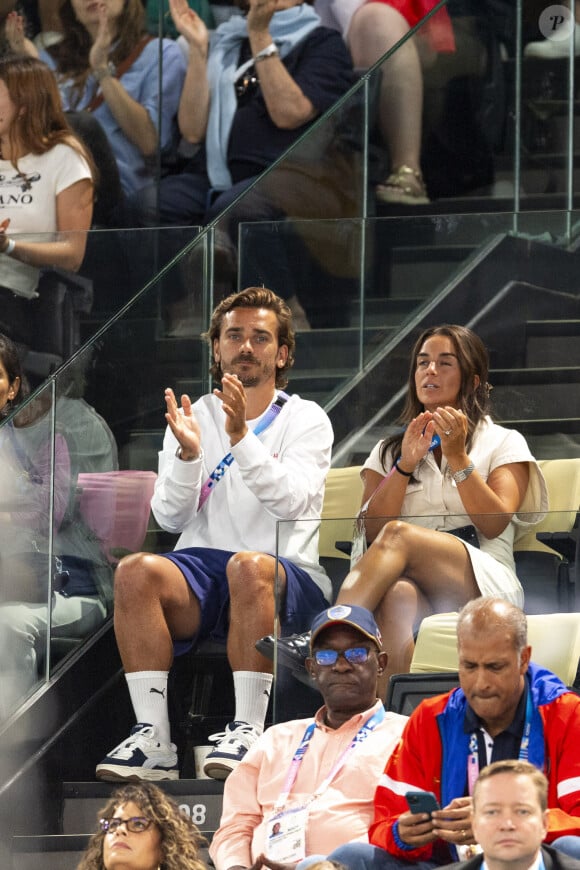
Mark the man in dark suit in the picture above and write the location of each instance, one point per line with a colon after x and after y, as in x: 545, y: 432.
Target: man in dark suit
x: 510, y: 821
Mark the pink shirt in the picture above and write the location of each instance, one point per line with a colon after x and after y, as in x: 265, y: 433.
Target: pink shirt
x: 341, y: 814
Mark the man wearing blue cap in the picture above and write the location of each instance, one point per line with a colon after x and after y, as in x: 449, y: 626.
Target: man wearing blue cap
x: 307, y: 786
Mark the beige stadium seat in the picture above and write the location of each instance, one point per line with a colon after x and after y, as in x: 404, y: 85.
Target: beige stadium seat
x: 554, y: 638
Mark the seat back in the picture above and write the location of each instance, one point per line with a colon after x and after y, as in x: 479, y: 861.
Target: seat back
x: 342, y: 499
x: 554, y: 638
x: 563, y: 481
x: 116, y: 506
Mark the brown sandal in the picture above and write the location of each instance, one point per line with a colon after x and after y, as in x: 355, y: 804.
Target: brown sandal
x: 404, y: 185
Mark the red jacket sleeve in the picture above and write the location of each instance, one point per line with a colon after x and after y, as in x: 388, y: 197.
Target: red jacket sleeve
x: 415, y: 764
x: 561, y: 720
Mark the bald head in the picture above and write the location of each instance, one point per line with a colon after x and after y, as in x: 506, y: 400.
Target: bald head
x: 486, y: 616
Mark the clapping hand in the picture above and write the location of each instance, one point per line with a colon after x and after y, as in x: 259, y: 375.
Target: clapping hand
x: 189, y: 25
x: 99, y: 53
x: 183, y: 425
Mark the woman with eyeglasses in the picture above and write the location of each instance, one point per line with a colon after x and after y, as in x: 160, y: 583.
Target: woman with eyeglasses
x: 141, y: 828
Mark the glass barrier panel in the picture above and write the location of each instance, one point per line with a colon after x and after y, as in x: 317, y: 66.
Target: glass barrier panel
x: 547, y: 586
x: 35, y: 497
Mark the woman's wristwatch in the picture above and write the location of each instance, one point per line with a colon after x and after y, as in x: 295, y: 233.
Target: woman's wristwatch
x: 105, y: 72
x: 463, y: 474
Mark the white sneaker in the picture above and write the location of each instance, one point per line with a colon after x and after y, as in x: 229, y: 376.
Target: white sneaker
x: 553, y: 49
x: 232, y: 745
x: 140, y: 756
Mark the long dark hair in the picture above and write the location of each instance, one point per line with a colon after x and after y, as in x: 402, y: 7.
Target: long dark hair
x: 10, y: 359
x: 40, y: 123
x: 473, y: 362
x: 72, y: 52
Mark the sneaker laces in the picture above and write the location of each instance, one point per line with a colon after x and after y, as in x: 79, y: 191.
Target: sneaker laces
x: 141, y: 738
x: 240, y: 736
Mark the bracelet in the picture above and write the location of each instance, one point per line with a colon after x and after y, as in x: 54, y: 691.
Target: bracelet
x: 400, y: 470
x: 104, y: 72
x: 270, y: 51
x: 9, y: 249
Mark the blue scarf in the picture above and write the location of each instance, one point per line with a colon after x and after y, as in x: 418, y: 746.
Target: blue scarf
x: 288, y: 28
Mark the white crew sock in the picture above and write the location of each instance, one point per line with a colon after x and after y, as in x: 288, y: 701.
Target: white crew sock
x: 252, y: 694
x: 148, y: 692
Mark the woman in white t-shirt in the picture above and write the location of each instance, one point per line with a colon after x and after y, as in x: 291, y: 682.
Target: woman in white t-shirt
x: 46, y: 191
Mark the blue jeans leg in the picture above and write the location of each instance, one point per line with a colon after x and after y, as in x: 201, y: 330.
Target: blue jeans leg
x: 569, y: 845
x: 364, y: 856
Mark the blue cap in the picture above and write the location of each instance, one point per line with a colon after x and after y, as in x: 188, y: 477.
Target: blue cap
x: 347, y: 614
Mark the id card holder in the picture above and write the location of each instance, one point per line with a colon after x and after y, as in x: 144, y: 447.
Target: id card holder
x: 286, y: 836
x: 359, y: 535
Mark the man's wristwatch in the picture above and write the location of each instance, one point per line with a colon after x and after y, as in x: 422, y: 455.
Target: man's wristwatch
x: 179, y: 456
x: 463, y: 474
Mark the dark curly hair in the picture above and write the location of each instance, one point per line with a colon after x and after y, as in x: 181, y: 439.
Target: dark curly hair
x: 255, y: 297
x: 180, y: 839
x: 473, y: 362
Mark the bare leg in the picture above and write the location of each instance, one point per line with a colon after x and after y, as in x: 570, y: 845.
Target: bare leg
x: 252, y: 608
x: 374, y: 29
x: 437, y: 563
x: 153, y: 605
x: 400, y: 610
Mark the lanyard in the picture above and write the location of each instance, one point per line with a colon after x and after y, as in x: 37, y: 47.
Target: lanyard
x: 473, y: 757
x: 223, y: 465
x: 361, y: 735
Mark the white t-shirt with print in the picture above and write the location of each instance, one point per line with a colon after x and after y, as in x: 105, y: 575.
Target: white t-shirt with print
x: 28, y: 197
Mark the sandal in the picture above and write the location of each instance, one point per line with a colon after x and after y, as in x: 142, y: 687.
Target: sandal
x: 405, y: 185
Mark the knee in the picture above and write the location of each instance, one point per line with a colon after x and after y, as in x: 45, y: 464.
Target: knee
x: 356, y: 856
x: 137, y: 577
x: 249, y: 574
x: 394, y: 535
x: 374, y: 23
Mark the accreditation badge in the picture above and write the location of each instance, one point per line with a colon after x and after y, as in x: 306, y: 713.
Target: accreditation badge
x: 286, y: 836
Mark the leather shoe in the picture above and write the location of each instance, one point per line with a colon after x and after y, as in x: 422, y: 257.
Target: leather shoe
x: 292, y: 650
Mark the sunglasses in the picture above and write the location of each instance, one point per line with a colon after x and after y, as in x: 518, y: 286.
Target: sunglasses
x: 135, y: 825
x: 356, y: 655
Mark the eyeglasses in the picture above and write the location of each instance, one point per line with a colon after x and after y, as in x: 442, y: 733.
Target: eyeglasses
x: 356, y: 655
x: 135, y: 825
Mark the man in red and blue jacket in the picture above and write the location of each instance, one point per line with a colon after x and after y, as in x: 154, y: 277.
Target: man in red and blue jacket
x: 506, y: 707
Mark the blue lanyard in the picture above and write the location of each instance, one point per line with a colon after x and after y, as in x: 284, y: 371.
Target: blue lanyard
x: 364, y: 731
x: 223, y: 465
x: 473, y: 756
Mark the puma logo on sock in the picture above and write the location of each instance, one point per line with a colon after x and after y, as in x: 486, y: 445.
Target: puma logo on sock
x: 157, y: 692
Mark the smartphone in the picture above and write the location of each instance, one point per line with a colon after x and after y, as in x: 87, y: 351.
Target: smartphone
x: 422, y: 801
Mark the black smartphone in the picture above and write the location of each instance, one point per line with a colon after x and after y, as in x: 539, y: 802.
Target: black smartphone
x: 422, y: 801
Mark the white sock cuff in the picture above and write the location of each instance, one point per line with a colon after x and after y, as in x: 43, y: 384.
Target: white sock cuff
x: 146, y: 675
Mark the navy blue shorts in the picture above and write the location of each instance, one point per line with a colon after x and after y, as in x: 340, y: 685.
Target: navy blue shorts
x: 204, y: 570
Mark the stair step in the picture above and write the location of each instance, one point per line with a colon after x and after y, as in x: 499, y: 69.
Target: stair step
x: 200, y: 799
x: 48, y: 852
x: 568, y: 327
